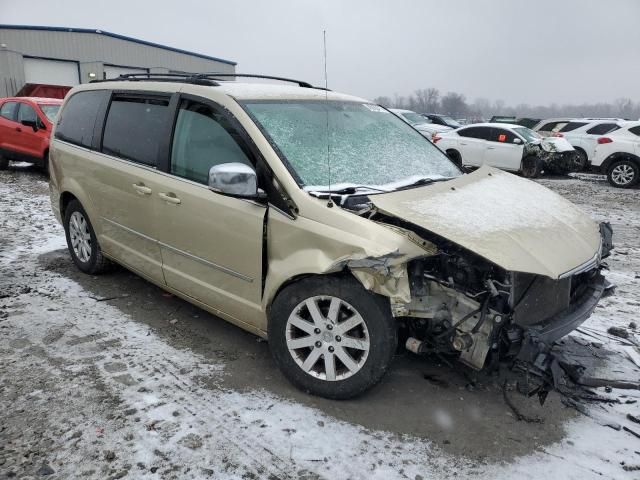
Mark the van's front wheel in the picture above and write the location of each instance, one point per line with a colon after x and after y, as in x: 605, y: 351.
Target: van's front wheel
x: 331, y: 337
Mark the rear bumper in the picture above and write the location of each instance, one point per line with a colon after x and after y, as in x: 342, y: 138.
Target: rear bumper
x: 559, y: 325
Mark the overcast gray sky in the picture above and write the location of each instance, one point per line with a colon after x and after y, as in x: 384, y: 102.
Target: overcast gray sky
x: 521, y: 51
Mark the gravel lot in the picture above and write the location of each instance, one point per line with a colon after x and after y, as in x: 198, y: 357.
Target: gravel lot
x: 110, y: 377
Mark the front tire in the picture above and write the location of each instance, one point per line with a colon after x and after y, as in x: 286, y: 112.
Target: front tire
x: 531, y: 167
x: 82, y: 242
x: 331, y: 337
x: 581, y: 161
x: 623, y: 173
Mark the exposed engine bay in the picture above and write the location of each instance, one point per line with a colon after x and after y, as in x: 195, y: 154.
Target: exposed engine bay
x: 464, y: 305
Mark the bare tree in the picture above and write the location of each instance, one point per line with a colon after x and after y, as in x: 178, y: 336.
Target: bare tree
x: 428, y: 100
x: 384, y: 101
x: 454, y: 104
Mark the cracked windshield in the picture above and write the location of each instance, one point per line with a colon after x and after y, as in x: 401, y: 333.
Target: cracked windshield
x: 367, y: 145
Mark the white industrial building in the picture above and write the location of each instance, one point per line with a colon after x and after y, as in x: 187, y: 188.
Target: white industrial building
x: 31, y: 55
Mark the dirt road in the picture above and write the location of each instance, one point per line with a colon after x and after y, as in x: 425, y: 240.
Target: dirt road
x: 110, y: 377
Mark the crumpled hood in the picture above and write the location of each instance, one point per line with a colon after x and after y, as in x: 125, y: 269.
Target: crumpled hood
x: 515, y: 223
x: 555, y: 144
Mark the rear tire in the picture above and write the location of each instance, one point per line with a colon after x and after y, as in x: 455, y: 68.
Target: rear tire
x: 4, y: 163
x: 531, y: 167
x: 623, y: 173
x: 315, y: 348
x: 82, y: 242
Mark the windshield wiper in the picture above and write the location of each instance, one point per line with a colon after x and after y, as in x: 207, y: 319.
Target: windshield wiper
x: 350, y: 190
x: 422, y: 181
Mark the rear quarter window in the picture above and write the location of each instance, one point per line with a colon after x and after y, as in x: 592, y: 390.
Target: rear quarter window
x: 635, y: 130
x: 78, y: 117
x: 603, y: 129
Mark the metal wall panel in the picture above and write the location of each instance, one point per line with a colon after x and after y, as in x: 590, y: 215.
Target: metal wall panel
x: 96, y: 47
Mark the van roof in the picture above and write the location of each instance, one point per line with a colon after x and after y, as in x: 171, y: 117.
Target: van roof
x: 228, y: 84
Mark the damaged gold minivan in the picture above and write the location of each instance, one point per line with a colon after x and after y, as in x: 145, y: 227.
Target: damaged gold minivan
x: 320, y: 221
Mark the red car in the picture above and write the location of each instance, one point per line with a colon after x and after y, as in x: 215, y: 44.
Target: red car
x: 25, y: 128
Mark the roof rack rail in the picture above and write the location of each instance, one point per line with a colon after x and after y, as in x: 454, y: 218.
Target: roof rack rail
x: 162, y: 77
x: 300, y: 83
x: 200, y: 78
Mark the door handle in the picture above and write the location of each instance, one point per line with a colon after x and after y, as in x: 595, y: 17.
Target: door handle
x: 18, y: 129
x: 462, y: 143
x: 141, y: 189
x: 491, y: 148
x: 170, y: 198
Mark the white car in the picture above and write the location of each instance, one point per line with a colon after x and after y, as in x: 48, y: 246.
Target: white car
x: 617, y: 155
x: 421, y: 123
x: 507, y: 146
x: 583, y: 134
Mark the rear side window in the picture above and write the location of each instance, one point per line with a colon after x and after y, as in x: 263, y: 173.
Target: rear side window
x: 482, y: 133
x: 135, y: 128
x: 78, y: 118
x: 27, y: 113
x: 8, y: 110
x: 552, y: 126
x: 204, y: 137
x: 603, y: 129
x: 502, y: 136
x: 635, y: 130
x: 572, y: 126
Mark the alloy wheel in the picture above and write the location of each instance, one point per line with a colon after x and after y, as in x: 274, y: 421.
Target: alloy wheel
x: 80, y: 236
x: 327, y: 338
x: 622, y: 174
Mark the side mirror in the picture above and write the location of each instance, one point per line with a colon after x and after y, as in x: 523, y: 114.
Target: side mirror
x: 234, y: 179
x: 517, y: 141
x: 30, y: 123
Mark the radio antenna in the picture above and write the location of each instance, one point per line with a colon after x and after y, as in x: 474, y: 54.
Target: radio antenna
x: 326, y: 98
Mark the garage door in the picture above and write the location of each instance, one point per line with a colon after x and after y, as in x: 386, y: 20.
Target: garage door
x: 50, y: 72
x: 114, y: 72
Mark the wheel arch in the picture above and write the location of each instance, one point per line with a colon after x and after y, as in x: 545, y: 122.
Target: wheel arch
x: 296, y: 278
x: 618, y: 156
x: 71, y: 190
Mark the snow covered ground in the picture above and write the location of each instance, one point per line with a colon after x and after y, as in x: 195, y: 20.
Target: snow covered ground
x: 89, y: 391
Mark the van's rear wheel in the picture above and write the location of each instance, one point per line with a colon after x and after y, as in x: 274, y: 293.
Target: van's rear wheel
x: 82, y: 242
x: 331, y: 337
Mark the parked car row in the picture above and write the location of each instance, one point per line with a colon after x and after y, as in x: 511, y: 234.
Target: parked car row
x: 554, y: 145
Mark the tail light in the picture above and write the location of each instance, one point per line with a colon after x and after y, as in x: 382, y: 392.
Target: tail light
x: 435, y: 138
x: 557, y: 134
x: 603, y: 140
